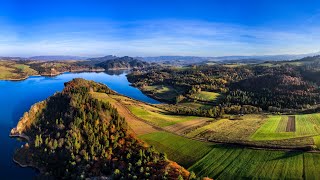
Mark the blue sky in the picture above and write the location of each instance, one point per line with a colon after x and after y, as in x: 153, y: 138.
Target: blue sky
x: 162, y: 27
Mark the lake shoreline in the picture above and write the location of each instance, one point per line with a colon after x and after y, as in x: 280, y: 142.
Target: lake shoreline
x: 52, y: 75
x: 14, y: 101
x: 19, y: 153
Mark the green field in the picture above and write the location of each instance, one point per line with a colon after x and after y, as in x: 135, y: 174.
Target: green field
x: 206, y: 96
x: 196, y: 105
x: 316, y: 140
x: 226, y: 162
x: 185, y: 151
x: 241, y: 163
x: 162, y: 92
x: 12, y: 71
x: 233, y: 162
x: 274, y: 129
x: 158, y: 118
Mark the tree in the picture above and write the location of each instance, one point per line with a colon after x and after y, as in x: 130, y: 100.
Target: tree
x: 141, y: 170
x: 55, y: 144
x: 116, y: 172
x: 192, y: 176
x: 179, y: 98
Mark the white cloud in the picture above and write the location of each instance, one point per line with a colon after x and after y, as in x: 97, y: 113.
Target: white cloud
x: 151, y: 38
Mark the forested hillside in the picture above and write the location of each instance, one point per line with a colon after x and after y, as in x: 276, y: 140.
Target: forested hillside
x: 72, y: 135
x: 278, y: 87
x: 122, y: 63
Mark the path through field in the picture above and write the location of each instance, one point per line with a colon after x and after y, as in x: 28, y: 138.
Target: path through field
x: 137, y: 125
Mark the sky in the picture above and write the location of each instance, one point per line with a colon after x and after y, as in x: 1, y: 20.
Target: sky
x: 159, y: 27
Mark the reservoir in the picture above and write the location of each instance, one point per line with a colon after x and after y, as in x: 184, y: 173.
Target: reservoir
x: 16, y: 97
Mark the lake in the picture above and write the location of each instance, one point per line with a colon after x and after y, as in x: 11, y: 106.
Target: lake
x: 16, y: 97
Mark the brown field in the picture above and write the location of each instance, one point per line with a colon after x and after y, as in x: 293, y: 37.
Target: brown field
x: 227, y: 130
x: 187, y: 126
x: 291, y: 126
x: 137, y: 125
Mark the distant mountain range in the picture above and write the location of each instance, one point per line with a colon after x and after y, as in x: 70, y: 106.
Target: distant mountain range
x: 196, y: 59
x: 173, y: 59
x: 101, y: 59
x: 56, y: 58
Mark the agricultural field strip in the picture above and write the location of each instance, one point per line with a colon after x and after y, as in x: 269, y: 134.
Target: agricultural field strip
x: 183, y: 127
x: 291, y: 125
x: 186, y: 151
x: 226, y: 163
x: 282, y: 125
x: 138, y: 126
x: 226, y: 130
x: 128, y: 101
x: 159, y: 118
x: 223, y: 162
x: 306, y: 126
x: 243, y: 173
x: 316, y: 140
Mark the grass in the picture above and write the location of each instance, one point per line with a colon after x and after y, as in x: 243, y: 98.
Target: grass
x: 195, y: 105
x: 182, y: 150
x: 206, y: 96
x: 229, y: 130
x: 268, y: 131
x: 269, y: 65
x: 233, y: 65
x: 158, y: 118
x: 103, y: 97
x: 11, y: 70
x: 226, y: 162
x: 26, y: 69
x: 7, y: 73
x: 138, y: 126
x: 162, y: 92
x: 306, y: 125
x: 316, y: 140
x: 242, y: 163
x: 282, y: 125
x: 232, y: 162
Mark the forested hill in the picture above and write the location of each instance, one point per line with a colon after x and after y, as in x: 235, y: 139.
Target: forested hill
x: 123, y: 63
x: 73, y: 136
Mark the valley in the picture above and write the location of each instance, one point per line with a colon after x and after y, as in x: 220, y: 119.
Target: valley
x: 209, y: 123
x: 159, y: 90
x: 205, y: 147
x: 21, y: 68
x: 223, y: 160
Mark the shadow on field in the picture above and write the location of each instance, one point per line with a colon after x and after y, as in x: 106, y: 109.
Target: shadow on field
x: 289, y: 154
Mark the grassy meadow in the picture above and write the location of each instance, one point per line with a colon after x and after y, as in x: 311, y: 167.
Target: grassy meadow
x: 241, y: 163
x: 196, y: 105
x: 229, y: 130
x: 167, y: 93
x: 206, y: 96
x: 185, y: 151
x: 13, y: 71
x: 160, y: 117
x: 231, y: 162
x: 307, y: 125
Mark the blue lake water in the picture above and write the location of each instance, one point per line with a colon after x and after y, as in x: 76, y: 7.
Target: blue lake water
x: 16, y: 97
